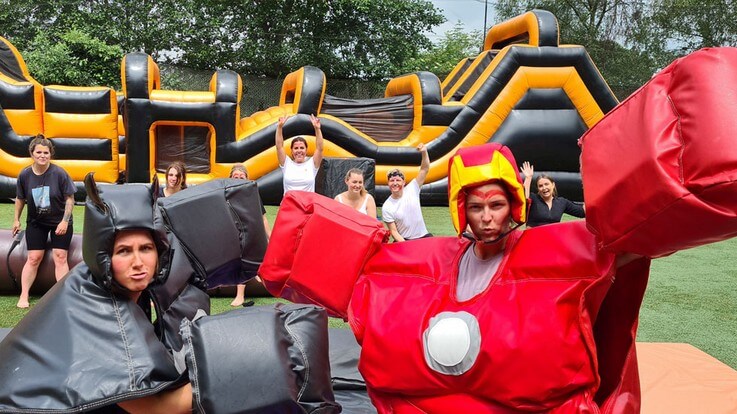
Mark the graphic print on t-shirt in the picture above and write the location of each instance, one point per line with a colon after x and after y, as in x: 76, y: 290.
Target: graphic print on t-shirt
x: 42, y: 199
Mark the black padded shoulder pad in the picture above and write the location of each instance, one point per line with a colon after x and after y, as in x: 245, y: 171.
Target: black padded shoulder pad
x: 79, y: 349
x: 274, y: 359
x: 220, y: 227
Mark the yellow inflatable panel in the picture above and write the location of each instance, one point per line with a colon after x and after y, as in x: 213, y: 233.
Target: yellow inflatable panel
x: 25, y: 121
x: 182, y: 96
x: 105, y: 171
x: 81, y: 125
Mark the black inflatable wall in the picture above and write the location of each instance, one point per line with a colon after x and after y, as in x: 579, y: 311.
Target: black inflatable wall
x: 330, y: 180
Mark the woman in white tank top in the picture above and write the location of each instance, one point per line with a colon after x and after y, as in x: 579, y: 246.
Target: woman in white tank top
x: 299, y: 171
x: 356, y: 195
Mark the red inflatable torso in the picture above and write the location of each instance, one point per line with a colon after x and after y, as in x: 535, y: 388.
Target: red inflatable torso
x: 535, y: 348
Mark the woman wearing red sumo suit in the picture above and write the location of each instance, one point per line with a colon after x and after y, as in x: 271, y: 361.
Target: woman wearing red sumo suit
x: 492, y: 323
x: 506, y: 321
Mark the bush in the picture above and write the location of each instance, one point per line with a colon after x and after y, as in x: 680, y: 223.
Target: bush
x: 74, y: 58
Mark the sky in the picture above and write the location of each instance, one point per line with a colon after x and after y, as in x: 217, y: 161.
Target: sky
x: 469, y: 12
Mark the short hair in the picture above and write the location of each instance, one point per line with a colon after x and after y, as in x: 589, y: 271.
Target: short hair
x: 43, y: 141
x: 547, y: 177
x: 238, y: 167
x: 178, y: 166
x: 298, y: 138
x: 394, y: 172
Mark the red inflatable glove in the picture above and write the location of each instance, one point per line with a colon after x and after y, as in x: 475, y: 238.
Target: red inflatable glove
x: 660, y: 170
x: 317, y: 250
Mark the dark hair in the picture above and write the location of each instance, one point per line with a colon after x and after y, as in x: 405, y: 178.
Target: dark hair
x: 238, y: 167
x: 357, y: 172
x: 298, y: 138
x: 394, y: 172
x: 43, y: 141
x: 549, y: 178
x: 178, y: 166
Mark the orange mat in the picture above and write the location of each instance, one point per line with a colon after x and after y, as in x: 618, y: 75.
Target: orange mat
x: 680, y: 378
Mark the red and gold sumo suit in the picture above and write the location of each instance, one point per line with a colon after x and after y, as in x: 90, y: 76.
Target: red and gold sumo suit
x: 554, y: 330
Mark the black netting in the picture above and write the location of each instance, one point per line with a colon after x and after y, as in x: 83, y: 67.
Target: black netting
x: 259, y: 92
x: 188, y: 144
x: 383, y: 119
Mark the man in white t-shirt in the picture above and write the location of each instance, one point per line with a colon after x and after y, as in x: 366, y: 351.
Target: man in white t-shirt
x: 401, y: 212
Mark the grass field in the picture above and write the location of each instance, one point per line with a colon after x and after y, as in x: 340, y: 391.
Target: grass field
x: 691, y: 295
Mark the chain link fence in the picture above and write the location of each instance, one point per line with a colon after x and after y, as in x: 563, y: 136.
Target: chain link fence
x: 260, y: 93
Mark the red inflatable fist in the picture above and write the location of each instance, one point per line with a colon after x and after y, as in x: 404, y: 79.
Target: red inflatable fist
x: 317, y: 250
x: 660, y: 170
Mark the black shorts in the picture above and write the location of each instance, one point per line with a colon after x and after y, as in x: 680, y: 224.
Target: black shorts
x: 38, y: 234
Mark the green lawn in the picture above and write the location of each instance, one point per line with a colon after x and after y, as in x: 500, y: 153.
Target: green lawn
x: 691, y: 297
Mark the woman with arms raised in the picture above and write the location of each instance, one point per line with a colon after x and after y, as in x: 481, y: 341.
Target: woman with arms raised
x: 546, y: 206
x: 300, y: 170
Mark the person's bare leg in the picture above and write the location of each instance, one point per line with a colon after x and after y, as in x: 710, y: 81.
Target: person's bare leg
x: 61, y: 266
x: 28, y: 276
x: 240, y: 296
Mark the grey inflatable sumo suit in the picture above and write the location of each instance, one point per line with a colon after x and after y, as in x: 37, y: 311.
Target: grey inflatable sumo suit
x: 84, y: 346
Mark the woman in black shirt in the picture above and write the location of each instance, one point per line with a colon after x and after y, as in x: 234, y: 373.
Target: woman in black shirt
x: 49, y: 192
x: 546, y: 207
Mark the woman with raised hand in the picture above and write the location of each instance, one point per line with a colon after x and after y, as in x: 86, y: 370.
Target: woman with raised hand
x: 402, y: 212
x: 299, y: 170
x: 546, y: 206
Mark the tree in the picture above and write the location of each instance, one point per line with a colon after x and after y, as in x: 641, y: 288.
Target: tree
x: 21, y: 21
x: 690, y: 25
x: 583, y: 20
x: 443, y: 56
x: 75, y: 58
x: 619, y: 35
x: 345, y: 38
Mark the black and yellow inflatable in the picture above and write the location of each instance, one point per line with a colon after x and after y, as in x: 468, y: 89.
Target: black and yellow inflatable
x: 523, y: 90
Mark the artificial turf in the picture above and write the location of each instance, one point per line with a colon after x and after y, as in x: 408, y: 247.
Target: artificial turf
x: 690, y: 298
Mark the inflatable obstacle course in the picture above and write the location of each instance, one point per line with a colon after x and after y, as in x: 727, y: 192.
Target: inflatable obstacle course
x: 163, y: 126
x: 524, y: 90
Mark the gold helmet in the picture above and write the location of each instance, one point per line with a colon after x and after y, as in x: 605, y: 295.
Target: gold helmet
x: 479, y: 165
